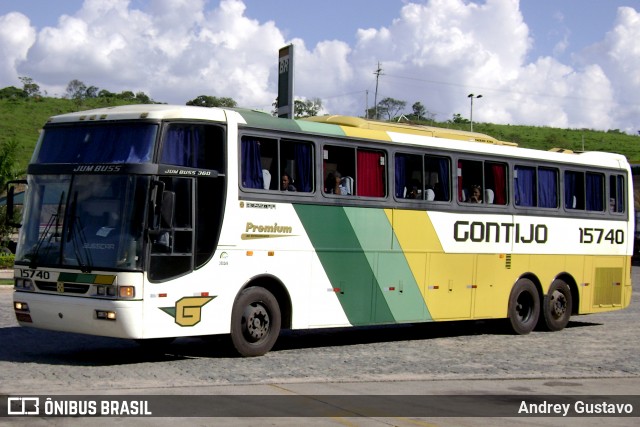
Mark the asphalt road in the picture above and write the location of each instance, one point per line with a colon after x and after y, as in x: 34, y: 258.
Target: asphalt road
x: 596, y: 355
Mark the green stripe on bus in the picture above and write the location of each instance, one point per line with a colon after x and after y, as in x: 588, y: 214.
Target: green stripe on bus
x: 397, y: 282
x: 366, y: 281
x: 264, y: 120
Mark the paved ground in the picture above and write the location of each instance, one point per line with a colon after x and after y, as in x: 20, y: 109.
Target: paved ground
x: 596, y: 355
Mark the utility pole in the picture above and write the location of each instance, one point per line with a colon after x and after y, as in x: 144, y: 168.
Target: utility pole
x: 366, y: 104
x: 471, y: 96
x: 375, y: 98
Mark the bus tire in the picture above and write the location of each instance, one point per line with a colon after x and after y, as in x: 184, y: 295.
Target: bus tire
x: 255, y: 322
x: 557, y: 306
x: 524, y: 307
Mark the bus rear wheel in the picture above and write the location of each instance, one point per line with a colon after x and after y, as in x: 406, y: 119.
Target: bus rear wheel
x: 255, y: 322
x: 524, y: 307
x: 557, y: 306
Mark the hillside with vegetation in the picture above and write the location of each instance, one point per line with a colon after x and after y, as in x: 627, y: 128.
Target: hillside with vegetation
x: 22, y: 118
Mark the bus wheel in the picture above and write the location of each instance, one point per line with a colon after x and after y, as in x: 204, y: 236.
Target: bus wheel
x: 524, y: 307
x: 255, y: 322
x: 557, y: 306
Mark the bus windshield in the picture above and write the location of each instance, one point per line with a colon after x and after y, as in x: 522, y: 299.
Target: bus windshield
x: 85, y: 221
x: 94, y: 143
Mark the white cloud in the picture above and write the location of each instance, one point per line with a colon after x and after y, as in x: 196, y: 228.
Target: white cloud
x: 433, y: 51
x: 16, y: 36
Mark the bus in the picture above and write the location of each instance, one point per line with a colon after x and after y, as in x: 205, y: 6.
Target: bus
x: 151, y: 222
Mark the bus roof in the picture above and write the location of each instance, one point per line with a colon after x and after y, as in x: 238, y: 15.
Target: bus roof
x: 414, y: 129
x: 142, y: 111
x: 337, y: 125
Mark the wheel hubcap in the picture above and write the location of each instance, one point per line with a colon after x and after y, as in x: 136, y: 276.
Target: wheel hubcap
x: 257, y: 322
x: 558, y: 304
x: 523, y: 307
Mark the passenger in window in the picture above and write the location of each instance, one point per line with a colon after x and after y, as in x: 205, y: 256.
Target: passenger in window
x: 286, y: 183
x: 414, y: 190
x: 476, y: 194
x: 335, y: 184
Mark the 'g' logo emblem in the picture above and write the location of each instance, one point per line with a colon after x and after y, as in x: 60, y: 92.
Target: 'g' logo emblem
x: 60, y: 287
x: 187, y: 310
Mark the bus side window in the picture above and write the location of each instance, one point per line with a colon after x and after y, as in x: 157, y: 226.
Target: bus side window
x: 342, y: 160
x: 296, y: 160
x: 437, y: 176
x: 370, y: 179
x: 524, y: 184
x: 194, y: 146
x: 616, y: 193
x: 482, y: 182
x: 584, y: 191
x: 548, y: 187
x: 256, y: 158
x: 408, y: 176
x: 470, y: 179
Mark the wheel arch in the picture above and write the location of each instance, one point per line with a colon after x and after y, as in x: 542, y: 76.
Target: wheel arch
x: 536, y: 281
x: 278, y: 290
x: 573, y: 286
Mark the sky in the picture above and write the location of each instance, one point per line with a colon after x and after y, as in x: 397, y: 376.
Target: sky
x: 557, y: 63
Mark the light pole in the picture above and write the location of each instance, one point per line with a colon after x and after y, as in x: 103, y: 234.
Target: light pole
x: 471, y: 96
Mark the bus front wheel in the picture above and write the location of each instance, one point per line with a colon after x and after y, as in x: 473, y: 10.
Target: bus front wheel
x: 524, y: 307
x: 557, y: 306
x: 255, y: 322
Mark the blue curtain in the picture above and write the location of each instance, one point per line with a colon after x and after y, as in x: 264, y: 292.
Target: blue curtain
x: 251, y: 164
x: 547, y: 188
x: 304, y: 167
x: 444, y: 179
x: 127, y: 143
x: 400, y: 175
x: 595, y: 199
x: 182, y: 146
x: 524, y: 183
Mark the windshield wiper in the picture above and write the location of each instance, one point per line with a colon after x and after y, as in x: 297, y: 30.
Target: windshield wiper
x: 78, y: 238
x: 54, y: 219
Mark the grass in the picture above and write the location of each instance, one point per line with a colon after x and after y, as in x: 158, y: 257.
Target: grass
x: 22, y: 119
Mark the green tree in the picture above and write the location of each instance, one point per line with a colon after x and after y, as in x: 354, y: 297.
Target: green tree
x: 458, y: 119
x: 390, y: 107
x: 91, y: 92
x: 12, y: 92
x: 307, y: 108
x: 127, y: 95
x: 76, y: 90
x: 143, y: 98
x: 31, y: 89
x: 106, y: 94
x: 213, y: 101
x: 8, y: 156
x: 418, y: 110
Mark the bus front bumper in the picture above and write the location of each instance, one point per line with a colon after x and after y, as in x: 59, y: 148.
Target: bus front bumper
x: 109, y: 318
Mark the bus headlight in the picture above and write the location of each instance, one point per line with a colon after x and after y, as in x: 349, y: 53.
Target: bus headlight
x: 24, y: 285
x: 105, y: 315
x: 20, y: 306
x: 115, y: 291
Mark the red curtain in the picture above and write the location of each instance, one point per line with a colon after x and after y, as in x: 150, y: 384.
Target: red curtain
x: 459, y: 173
x: 499, y: 180
x: 370, y: 174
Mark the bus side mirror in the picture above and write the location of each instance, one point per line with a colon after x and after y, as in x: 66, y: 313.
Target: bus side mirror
x: 10, y: 218
x: 167, y: 208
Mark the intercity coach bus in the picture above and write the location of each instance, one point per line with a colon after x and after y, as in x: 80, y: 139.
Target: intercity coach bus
x: 153, y: 222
